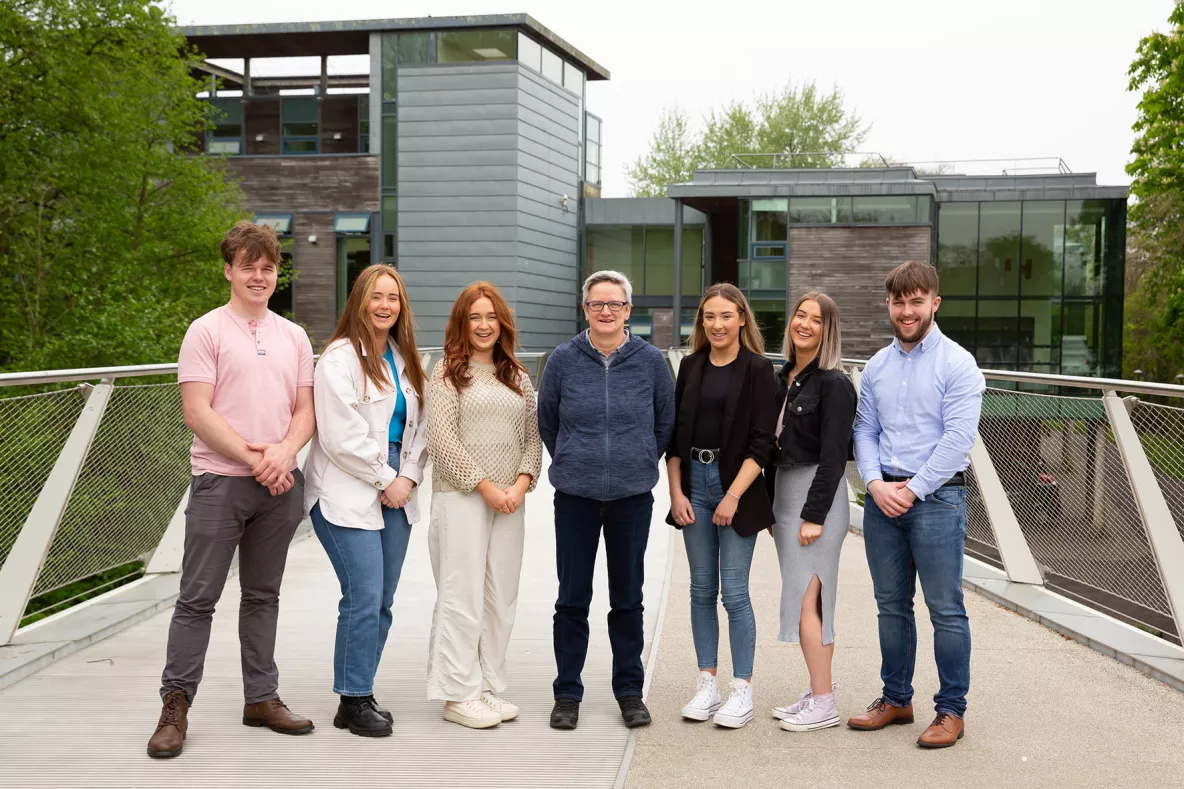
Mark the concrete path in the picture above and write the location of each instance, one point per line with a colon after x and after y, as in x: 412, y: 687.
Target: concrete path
x: 84, y: 721
x: 1044, y: 711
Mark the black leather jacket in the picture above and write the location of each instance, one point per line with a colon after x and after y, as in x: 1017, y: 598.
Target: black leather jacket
x: 818, y: 425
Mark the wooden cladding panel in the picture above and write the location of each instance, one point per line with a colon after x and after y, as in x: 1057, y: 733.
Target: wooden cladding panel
x: 316, y: 278
x: 261, y: 117
x: 339, y: 115
x: 849, y: 264
x: 309, y: 183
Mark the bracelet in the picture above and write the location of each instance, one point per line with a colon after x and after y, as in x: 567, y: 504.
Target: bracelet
x: 733, y: 495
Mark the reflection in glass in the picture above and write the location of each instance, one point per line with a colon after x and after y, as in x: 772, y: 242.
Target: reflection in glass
x: 390, y: 147
x: 998, y: 334
x: 353, y: 255
x: 819, y: 210
x: 957, y: 249
x: 770, y: 318
x: 390, y: 213
x: 282, y: 301
x: 924, y: 208
x: 762, y: 275
x: 956, y: 317
x: 1040, y: 330
x: 885, y: 210
x: 999, y: 250
x: 415, y: 49
x: 659, y: 261
x: 1079, y: 345
x: 1043, y: 247
x: 389, y: 66
x: 768, y: 220
x: 618, y: 249
x: 1084, y: 233
x: 469, y: 46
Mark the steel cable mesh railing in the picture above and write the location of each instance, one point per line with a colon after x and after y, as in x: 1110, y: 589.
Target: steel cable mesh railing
x: 1064, y: 476
x: 978, y: 523
x: 134, y: 476
x: 1161, y: 431
x: 33, y: 429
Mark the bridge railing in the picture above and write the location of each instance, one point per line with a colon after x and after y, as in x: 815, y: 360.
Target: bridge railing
x: 94, y: 481
x: 1077, y: 484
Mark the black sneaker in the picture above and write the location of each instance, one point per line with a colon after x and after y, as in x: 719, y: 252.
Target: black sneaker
x: 357, y: 713
x: 633, y: 711
x: 565, y: 714
x: 383, y: 711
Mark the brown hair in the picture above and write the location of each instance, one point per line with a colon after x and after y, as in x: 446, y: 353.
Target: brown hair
x: 252, y: 241
x: 354, y: 325
x: 910, y: 277
x: 458, y: 348
x: 830, y: 344
x: 750, y: 337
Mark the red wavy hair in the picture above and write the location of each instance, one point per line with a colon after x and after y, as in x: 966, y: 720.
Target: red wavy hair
x: 458, y: 347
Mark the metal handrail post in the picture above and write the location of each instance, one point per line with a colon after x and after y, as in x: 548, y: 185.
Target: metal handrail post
x: 1162, y: 534
x: 1013, y: 547
x: 18, y: 576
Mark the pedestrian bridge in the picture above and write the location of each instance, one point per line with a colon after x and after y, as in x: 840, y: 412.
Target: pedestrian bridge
x: 1075, y: 564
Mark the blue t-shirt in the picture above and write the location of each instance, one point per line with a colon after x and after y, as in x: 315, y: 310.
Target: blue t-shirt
x: 399, y: 418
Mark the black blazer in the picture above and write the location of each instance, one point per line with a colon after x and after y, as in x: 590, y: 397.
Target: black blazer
x: 818, y: 426
x: 750, y: 414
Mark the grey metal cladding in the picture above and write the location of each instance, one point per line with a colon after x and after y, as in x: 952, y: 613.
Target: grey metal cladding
x: 637, y: 211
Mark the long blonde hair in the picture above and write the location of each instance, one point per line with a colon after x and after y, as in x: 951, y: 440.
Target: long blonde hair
x: 354, y: 326
x: 750, y: 336
x: 830, y: 344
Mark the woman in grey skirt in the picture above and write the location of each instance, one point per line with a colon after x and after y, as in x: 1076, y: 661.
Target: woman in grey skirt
x: 810, y: 498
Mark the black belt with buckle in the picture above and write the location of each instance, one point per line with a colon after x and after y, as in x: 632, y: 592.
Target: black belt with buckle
x: 956, y: 481
x: 705, y: 456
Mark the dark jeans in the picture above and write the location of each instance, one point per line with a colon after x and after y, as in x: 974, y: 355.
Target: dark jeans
x: 626, y: 525
x: 926, y: 542
x: 225, y: 513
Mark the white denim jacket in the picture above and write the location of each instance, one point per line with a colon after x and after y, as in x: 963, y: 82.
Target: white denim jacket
x: 347, y: 466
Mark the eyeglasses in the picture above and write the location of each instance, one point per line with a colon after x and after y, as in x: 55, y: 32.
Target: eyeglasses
x: 598, y: 306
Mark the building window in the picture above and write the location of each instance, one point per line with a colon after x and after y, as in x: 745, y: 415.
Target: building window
x: 552, y: 66
x: 573, y: 79
x: 390, y: 225
x: 282, y: 301
x: 364, y: 123
x: 352, y: 232
x: 885, y: 210
x: 300, y: 124
x: 819, y: 210
x: 226, y: 137
x: 469, y: 46
x: 592, y: 152
x: 769, y: 220
x: 530, y: 53
x: 645, y: 254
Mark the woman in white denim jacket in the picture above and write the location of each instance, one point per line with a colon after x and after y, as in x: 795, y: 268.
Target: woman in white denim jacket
x: 364, y: 469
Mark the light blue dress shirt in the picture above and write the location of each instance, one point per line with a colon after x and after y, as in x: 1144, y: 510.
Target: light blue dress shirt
x: 918, y: 412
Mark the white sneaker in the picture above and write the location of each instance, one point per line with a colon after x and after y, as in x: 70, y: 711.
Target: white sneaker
x: 781, y: 713
x: 472, y: 713
x: 499, y: 705
x: 706, y: 701
x: 738, y: 709
x: 817, y: 712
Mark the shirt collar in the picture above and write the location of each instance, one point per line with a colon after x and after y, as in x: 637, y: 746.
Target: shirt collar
x: 603, y: 355
x: 929, y: 342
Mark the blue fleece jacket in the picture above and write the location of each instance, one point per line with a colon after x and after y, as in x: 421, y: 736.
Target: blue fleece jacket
x: 605, y: 427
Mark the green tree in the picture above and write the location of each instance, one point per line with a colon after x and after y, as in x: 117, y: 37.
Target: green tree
x: 1154, y: 337
x: 108, y: 231
x: 812, y: 129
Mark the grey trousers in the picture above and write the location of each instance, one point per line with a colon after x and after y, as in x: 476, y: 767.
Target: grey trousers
x: 225, y: 513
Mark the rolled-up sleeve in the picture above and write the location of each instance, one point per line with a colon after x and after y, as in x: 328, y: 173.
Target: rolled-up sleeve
x: 961, y: 406
x: 532, y: 448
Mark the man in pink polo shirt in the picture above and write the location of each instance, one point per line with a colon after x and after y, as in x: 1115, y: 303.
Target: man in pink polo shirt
x: 246, y: 388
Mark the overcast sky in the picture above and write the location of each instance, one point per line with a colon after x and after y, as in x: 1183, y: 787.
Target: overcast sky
x: 936, y: 79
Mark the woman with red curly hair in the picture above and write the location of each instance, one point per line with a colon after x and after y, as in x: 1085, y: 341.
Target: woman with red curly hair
x: 483, y: 438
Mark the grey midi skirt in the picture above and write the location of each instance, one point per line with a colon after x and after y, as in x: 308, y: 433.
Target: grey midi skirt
x: 800, y: 563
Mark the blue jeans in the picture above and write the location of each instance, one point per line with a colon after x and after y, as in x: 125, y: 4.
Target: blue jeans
x: 926, y: 542
x: 719, y: 559
x: 368, y: 564
x: 626, y: 525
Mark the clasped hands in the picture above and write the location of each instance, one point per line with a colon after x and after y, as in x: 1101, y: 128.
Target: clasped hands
x: 272, y: 466
x: 893, y: 498
x: 505, y: 501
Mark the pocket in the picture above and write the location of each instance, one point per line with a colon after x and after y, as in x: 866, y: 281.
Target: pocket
x: 201, y: 483
x: 951, y: 497
x: 803, y: 406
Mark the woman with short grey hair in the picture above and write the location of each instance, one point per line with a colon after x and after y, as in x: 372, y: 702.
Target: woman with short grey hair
x: 606, y: 410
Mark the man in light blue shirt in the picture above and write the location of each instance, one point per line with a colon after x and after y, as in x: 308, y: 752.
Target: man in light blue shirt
x: 919, y: 404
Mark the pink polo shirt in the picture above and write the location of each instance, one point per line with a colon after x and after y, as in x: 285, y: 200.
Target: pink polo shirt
x: 256, y: 368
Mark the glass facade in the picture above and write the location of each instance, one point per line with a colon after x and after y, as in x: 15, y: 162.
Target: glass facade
x: 227, y: 135
x: 1026, y: 284
x: 471, y: 46
x: 645, y: 254
x: 300, y: 126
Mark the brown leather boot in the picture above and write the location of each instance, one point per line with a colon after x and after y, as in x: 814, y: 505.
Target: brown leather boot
x: 945, y: 731
x: 880, y: 714
x: 169, y: 737
x: 275, y: 715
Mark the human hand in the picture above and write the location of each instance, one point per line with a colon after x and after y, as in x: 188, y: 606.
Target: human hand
x: 276, y: 461
x: 809, y: 532
x: 397, y: 494
x: 283, y: 486
x: 725, y: 511
x: 494, y: 497
x: 681, y: 509
x: 516, y: 493
x: 889, y: 499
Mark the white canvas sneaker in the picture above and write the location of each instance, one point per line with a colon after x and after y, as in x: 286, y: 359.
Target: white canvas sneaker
x: 781, y: 713
x: 738, y: 709
x: 817, y: 712
x: 499, y: 705
x: 706, y: 701
x: 472, y: 713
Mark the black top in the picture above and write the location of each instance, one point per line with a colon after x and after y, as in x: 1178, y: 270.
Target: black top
x: 713, y: 394
x: 746, y: 430
x: 818, y: 427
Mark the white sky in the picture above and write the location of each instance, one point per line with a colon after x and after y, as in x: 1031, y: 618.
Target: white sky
x: 937, y: 79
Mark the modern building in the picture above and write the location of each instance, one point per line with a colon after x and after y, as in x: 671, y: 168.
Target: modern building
x: 466, y: 150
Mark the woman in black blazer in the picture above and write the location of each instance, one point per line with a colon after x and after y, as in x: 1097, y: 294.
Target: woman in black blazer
x: 725, y: 414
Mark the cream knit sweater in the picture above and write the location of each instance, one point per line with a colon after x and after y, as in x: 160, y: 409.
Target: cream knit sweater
x: 485, y: 431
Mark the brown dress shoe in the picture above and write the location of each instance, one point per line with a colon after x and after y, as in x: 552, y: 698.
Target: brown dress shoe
x: 880, y: 714
x: 169, y: 737
x: 945, y: 730
x: 275, y: 715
